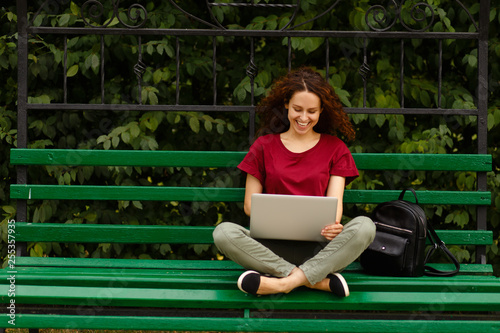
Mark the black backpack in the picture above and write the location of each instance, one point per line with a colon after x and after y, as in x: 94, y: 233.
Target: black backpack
x: 399, y: 245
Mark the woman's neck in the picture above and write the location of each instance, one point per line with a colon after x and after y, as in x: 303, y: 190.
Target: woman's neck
x: 299, y: 143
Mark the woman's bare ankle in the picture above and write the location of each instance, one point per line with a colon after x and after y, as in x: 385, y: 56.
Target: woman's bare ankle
x: 271, y: 285
x: 323, y: 285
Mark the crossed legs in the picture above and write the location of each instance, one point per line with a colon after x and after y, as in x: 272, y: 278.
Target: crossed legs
x: 235, y: 243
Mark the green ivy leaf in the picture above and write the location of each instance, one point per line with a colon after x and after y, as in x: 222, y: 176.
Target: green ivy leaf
x: 153, y: 98
x: 380, y: 120
x: 425, y: 98
x: 72, y: 71
x: 95, y: 61
x: 135, y: 131
x: 75, y: 10
x: 491, y: 121
x: 126, y: 137
x: 36, y: 251
x: 461, y: 219
x: 208, y: 126
x: 200, y: 248
x: 56, y: 248
x: 64, y: 20
x: 194, y: 123
x: 472, y: 60
x: 137, y: 204
x: 157, y: 76
x: 220, y: 129
x: 165, y: 249
x: 107, y: 144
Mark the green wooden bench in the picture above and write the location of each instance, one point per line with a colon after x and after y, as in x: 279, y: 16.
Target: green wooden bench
x: 201, y: 295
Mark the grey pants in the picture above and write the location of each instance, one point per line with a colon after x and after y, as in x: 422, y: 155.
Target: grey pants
x: 279, y: 258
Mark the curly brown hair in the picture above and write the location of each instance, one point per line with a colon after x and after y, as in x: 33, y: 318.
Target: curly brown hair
x: 274, y: 117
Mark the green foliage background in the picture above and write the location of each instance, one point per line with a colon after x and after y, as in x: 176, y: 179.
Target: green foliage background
x: 229, y: 131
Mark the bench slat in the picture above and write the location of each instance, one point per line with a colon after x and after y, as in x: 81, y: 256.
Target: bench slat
x: 186, y: 265
x: 364, y: 161
x: 147, y: 193
x: 430, y: 162
x: 141, y: 158
x: 108, y: 233
x: 41, y: 273
x: 165, y: 193
x: 127, y: 263
x: 250, y: 324
x: 299, y: 299
x: 217, y: 279
x: 151, y: 234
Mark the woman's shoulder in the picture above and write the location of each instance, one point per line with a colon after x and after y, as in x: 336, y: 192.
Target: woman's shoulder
x: 334, y: 144
x: 266, y: 139
x: 331, y: 139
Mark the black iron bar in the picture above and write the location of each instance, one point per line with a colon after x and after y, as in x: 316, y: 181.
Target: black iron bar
x: 177, y: 70
x: 137, y: 107
x: 440, y: 73
x: 242, y: 4
x: 240, y: 108
x: 289, y: 54
x: 22, y: 111
x: 365, y: 70
x: 102, y: 70
x: 255, y: 33
x: 402, y: 74
x: 252, y: 71
x: 327, y: 55
x: 214, y: 68
x: 482, y: 119
x: 65, y: 70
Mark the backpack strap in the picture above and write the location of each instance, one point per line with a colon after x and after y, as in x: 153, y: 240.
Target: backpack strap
x: 402, y: 195
x: 436, y: 243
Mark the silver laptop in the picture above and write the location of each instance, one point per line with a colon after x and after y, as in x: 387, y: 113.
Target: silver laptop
x: 291, y: 217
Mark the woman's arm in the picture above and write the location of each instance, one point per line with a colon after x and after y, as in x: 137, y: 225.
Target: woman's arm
x: 335, y: 189
x: 252, y: 186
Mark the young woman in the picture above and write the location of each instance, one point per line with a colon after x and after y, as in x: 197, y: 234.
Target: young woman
x: 298, y: 152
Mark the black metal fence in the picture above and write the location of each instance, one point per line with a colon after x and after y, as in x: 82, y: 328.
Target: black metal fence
x: 383, y: 21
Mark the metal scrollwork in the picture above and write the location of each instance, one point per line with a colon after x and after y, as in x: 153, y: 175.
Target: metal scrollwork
x: 364, y: 70
x: 378, y: 18
x: 212, y: 4
x: 418, y: 14
x: 139, y: 69
x: 252, y: 70
x: 380, y: 15
x: 95, y: 9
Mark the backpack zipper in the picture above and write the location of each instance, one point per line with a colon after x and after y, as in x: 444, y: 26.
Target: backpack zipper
x: 383, y: 225
x: 405, y: 204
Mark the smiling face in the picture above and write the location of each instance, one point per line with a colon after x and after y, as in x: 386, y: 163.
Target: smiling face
x: 304, y: 109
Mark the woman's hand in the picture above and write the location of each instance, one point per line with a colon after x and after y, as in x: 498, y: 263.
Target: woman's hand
x: 331, y: 231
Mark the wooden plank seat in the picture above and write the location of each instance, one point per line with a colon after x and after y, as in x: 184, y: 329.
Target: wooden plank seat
x: 100, y: 293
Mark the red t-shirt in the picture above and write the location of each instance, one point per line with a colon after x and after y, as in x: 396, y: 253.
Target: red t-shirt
x: 281, y: 171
